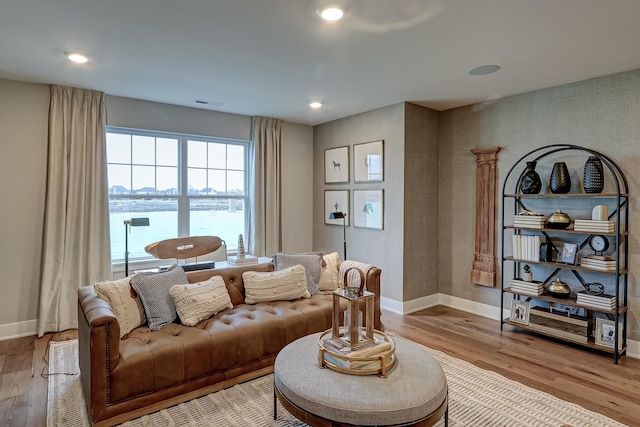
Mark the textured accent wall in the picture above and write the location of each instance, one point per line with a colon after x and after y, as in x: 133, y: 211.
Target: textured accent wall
x: 383, y: 248
x: 601, y: 113
x: 421, y: 188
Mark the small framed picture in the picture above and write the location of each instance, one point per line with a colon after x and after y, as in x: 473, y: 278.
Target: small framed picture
x: 368, y: 161
x: 519, y: 311
x: 605, y: 333
x: 336, y: 165
x: 368, y: 209
x: 568, y: 253
x: 336, y: 201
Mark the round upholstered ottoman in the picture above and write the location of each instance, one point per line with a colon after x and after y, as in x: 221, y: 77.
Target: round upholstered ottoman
x: 414, y: 393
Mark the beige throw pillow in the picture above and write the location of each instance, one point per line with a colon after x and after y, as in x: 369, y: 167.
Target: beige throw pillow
x: 282, y: 285
x: 329, y: 278
x: 196, y: 302
x: 128, y: 310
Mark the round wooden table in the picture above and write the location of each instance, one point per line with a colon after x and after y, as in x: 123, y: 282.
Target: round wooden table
x: 413, y: 394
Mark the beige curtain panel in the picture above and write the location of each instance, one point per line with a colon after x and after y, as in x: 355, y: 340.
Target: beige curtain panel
x: 265, y: 229
x: 76, y: 248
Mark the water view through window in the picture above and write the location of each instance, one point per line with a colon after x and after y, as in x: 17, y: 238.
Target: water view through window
x: 146, y: 180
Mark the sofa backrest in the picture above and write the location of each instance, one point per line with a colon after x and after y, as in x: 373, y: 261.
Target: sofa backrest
x: 232, y: 278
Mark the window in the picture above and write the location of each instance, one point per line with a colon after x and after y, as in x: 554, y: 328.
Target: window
x: 186, y: 186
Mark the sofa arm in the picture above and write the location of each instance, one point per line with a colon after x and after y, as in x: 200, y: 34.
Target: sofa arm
x: 98, y: 348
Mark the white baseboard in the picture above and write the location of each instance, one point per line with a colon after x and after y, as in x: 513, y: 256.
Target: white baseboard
x: 480, y: 309
x: 18, y: 329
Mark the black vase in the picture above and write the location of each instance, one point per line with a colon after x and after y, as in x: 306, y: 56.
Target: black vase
x: 593, y: 175
x: 531, y: 183
x: 560, y: 181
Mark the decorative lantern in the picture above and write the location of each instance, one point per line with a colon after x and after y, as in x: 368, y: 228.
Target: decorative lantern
x: 351, y: 334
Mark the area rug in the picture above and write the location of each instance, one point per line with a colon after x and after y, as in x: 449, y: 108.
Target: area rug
x: 476, y: 398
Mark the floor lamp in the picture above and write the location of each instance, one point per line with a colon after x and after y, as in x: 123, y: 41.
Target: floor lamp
x: 133, y: 222
x: 338, y: 215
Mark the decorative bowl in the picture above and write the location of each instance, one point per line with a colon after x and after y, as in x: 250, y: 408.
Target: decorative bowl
x: 558, y: 289
x: 558, y: 219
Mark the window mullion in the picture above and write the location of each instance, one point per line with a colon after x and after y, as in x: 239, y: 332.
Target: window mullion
x: 183, y: 200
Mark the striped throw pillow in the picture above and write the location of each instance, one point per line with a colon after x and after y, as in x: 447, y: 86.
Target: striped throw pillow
x: 153, y: 290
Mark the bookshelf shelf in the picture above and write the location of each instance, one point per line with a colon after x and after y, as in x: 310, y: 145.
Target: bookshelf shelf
x: 615, y: 280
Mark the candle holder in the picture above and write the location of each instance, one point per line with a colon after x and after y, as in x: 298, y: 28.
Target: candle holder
x: 354, y: 334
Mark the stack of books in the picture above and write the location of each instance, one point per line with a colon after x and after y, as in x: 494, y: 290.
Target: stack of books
x: 239, y: 261
x: 526, y: 248
x: 604, y: 301
x: 594, y: 226
x: 529, y: 288
x: 378, y: 347
x: 600, y: 263
x: 529, y: 221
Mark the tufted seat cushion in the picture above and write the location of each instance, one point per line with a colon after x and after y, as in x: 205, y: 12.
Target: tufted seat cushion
x: 230, y: 339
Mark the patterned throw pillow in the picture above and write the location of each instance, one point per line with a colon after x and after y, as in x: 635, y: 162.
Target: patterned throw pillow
x: 282, y: 285
x: 198, y: 301
x: 312, y: 264
x: 153, y: 290
x: 329, y: 278
x: 128, y: 310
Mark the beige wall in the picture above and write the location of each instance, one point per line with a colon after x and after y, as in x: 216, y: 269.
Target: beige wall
x: 602, y: 114
x: 24, y: 110
x: 384, y: 248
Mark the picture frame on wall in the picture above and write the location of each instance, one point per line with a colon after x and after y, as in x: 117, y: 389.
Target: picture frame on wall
x: 336, y: 201
x: 336, y: 165
x: 519, y: 311
x: 368, y: 209
x: 368, y: 162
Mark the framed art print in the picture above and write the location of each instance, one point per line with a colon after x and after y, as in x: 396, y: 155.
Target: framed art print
x: 605, y: 333
x: 368, y: 209
x: 568, y: 253
x: 336, y: 201
x: 336, y: 165
x: 519, y: 311
x: 368, y: 161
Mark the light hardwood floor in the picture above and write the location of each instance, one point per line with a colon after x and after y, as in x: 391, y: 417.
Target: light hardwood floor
x: 589, y: 379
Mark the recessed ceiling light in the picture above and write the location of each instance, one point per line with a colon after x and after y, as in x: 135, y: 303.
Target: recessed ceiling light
x: 76, y: 57
x: 315, y: 104
x: 483, y: 70
x: 331, y: 13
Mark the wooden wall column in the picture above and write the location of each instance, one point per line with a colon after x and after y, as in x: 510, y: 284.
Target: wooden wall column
x: 483, y: 271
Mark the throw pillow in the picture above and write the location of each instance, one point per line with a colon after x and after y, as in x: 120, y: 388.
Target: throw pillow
x: 198, y: 301
x: 153, y: 290
x: 329, y: 278
x: 128, y: 310
x: 312, y: 264
x: 281, y: 285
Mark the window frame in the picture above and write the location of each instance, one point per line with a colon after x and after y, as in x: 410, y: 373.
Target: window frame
x: 183, y: 197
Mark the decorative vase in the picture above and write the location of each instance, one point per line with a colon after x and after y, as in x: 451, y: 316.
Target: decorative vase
x: 241, y: 252
x: 527, y: 277
x: 560, y: 181
x: 531, y: 183
x: 593, y: 175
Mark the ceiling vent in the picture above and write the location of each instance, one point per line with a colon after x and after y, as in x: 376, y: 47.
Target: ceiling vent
x: 209, y: 103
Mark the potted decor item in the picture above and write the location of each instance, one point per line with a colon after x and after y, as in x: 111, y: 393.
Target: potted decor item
x: 531, y: 183
x: 593, y: 175
x: 560, y: 181
x: 527, y: 276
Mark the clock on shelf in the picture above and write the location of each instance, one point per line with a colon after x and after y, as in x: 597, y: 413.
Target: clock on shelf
x: 599, y: 244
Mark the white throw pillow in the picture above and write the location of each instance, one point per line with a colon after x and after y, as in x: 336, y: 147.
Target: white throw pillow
x: 281, y: 285
x: 198, y: 301
x: 329, y: 278
x: 128, y: 310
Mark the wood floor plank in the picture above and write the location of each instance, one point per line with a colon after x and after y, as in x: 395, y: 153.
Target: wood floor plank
x: 37, y: 414
x: 15, y: 384
x: 17, y: 362
x: 19, y: 345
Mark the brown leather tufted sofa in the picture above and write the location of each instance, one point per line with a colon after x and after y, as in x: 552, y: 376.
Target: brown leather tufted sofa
x: 146, y: 371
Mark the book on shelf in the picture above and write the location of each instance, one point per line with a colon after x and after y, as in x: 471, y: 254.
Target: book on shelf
x: 582, y: 295
x: 593, y: 225
x: 596, y: 264
x: 246, y: 260
x: 526, y: 247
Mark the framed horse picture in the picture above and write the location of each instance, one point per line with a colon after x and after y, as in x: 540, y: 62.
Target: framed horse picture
x: 336, y: 165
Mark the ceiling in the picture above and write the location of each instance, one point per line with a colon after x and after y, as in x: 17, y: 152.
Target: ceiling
x: 273, y: 57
